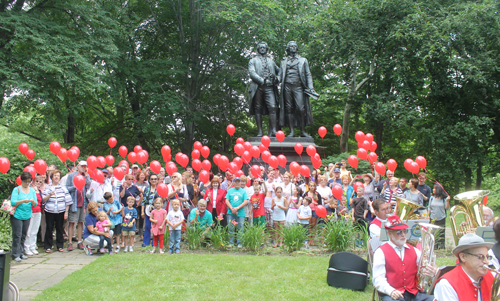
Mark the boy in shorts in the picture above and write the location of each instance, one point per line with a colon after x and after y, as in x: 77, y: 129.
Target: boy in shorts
x: 114, y: 209
x: 128, y: 225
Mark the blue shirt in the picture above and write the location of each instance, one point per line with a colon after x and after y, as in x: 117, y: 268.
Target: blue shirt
x: 130, y: 215
x: 114, y: 218
x: 236, y: 197
x: 24, y: 210
x: 90, y: 219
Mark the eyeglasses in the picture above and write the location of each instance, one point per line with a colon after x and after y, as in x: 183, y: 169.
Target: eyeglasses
x: 480, y: 256
x: 173, y: 177
x: 153, y: 179
x: 401, y: 232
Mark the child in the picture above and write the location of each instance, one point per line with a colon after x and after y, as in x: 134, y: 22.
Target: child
x: 174, y: 221
x: 293, y: 206
x: 268, y: 202
x: 114, y: 210
x: 359, y: 207
x: 279, y: 207
x: 257, y: 201
x: 103, y: 225
x: 304, y: 214
x: 128, y: 225
x: 158, y: 221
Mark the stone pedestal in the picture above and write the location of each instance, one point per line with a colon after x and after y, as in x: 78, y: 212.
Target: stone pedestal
x: 287, y: 148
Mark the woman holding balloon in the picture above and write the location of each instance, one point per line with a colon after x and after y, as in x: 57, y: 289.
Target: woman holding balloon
x: 316, y: 200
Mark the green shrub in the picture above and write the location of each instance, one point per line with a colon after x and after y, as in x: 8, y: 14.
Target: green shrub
x: 194, y: 237
x: 219, y: 236
x: 5, y: 232
x: 293, y: 237
x: 339, y: 235
x: 253, y: 237
x: 166, y: 238
x: 493, y: 185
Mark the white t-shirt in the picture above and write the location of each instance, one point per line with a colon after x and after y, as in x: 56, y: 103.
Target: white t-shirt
x: 175, y: 217
x: 287, y: 189
x: 214, y: 197
x: 324, y: 192
x: 304, y: 211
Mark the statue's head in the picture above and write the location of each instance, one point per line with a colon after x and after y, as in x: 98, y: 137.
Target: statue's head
x: 262, y: 48
x: 292, y: 47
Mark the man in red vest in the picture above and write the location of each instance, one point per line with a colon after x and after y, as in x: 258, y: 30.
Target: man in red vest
x: 469, y: 280
x: 395, y: 266
x: 381, y: 208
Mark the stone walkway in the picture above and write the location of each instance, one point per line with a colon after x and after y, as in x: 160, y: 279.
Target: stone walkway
x: 42, y: 271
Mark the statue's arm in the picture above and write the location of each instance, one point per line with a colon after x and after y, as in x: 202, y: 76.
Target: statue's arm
x: 253, y: 73
x: 309, y: 78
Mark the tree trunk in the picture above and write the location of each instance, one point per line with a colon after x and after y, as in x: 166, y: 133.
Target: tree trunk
x: 479, y: 174
x: 468, y: 178
x: 345, y: 127
x: 69, y: 137
x: 379, y: 131
x: 188, y: 137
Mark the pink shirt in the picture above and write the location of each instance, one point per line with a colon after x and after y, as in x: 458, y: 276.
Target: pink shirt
x: 99, y: 225
x: 158, y: 215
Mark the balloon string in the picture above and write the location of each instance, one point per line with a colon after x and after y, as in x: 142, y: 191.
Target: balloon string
x: 10, y: 181
x: 433, y: 180
x: 301, y: 159
x: 232, y: 154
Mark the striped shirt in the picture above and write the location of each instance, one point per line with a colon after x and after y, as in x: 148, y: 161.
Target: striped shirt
x: 58, y: 202
x: 390, y: 195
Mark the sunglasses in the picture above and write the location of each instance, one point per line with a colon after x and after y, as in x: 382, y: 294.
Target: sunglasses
x: 401, y: 232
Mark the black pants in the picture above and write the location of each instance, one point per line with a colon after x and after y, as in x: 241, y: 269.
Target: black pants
x: 50, y: 219
x: 19, y: 231
x: 409, y: 297
x: 294, y: 97
x: 103, y: 238
x: 223, y: 222
x: 265, y: 97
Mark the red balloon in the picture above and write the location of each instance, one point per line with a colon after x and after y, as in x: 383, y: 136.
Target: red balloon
x: 55, y: 147
x: 167, y: 158
x: 392, y: 165
x: 407, y: 164
x: 40, y: 166
x: 232, y: 167
x: 298, y: 148
x: 23, y: 148
x: 137, y: 149
x: 76, y: 149
x: 123, y: 151
x: 273, y: 162
x: 239, y: 173
x: 415, y: 168
x: 162, y: 190
x: 280, y: 136
x: 206, y: 165
x: 110, y: 160
x: 373, y: 146
x: 305, y: 171
x: 112, y: 142
x: 262, y: 148
x: 362, y: 154
x: 196, y: 164
x: 223, y: 162
x: 18, y: 181
x: 380, y: 168
x: 230, y: 129
x: 337, y: 191
x: 204, y: 176
x: 321, y: 211
x: 171, y: 168
x: 178, y: 157
x: 239, y: 149
x: 316, y: 156
x: 366, y: 145
x: 372, y: 157
x: 99, y: 176
x: 421, y: 161
x: 255, y: 151
x: 124, y: 162
x: 216, y: 159
x: 246, y: 157
x: 240, y: 140
x: 30, y: 154
x: 155, y: 166
x: 146, y: 154
x: 255, y: 171
x: 197, y: 145
x: 265, y: 140
x: 356, y: 185
x: 311, y: 150
x: 282, y: 161
x: 195, y: 154
x: 238, y: 161
x: 31, y: 170
x: 72, y: 155
x: 265, y: 156
x: 205, y: 151
x: 63, y: 154
x: 369, y: 138
x: 165, y: 150
x: 360, y: 136
x: 353, y: 161
x: 322, y: 132
x: 79, y: 182
x: 184, y: 160
x: 248, y: 146
x: 132, y: 157
x: 101, y: 162
x: 5, y: 165
x: 337, y: 129
x: 295, y: 168
x: 92, y: 162
x: 316, y: 162
x: 485, y: 200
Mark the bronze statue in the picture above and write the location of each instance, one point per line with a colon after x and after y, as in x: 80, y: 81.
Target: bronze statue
x: 296, y: 88
x: 263, y: 89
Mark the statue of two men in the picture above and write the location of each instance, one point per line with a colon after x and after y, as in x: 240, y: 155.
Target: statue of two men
x: 290, y: 108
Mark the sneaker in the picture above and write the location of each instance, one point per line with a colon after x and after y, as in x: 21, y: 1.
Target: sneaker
x: 17, y: 259
x: 131, y: 249
x: 80, y: 246
x: 110, y: 253
x: 70, y: 247
x: 24, y: 257
x: 34, y: 251
x: 125, y: 249
x: 117, y: 249
x: 28, y: 253
x: 239, y: 246
x: 88, y: 250
x: 102, y: 251
x: 161, y: 251
x: 178, y: 252
x: 169, y: 252
x: 152, y: 251
x: 230, y: 246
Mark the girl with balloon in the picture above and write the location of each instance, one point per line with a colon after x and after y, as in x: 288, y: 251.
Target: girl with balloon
x: 316, y: 200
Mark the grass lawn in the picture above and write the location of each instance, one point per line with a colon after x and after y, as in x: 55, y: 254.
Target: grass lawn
x: 240, y: 276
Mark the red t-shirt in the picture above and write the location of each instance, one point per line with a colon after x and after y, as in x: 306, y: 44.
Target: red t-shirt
x: 257, y: 201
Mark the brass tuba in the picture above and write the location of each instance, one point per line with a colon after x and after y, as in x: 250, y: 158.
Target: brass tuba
x: 470, y: 205
x: 428, y: 257
x: 495, y: 288
x: 405, y: 209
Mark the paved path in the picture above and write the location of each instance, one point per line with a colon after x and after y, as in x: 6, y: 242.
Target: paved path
x: 42, y: 271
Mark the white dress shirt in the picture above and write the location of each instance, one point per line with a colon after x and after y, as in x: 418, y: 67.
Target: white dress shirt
x: 374, y: 229
x: 99, y: 189
x: 445, y: 292
x: 379, y: 272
